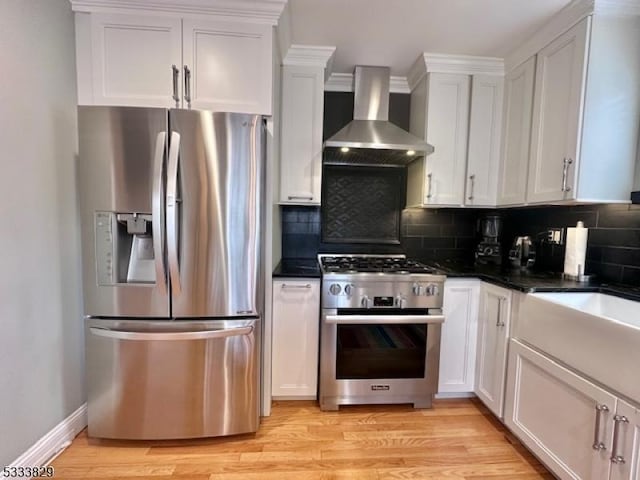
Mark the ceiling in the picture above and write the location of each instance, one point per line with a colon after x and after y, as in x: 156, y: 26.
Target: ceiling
x: 395, y: 32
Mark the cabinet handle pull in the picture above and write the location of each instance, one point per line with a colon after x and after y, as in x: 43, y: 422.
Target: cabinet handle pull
x: 187, y: 86
x: 175, y: 96
x: 617, y: 420
x: 296, y: 287
x: 300, y: 197
x: 499, y: 322
x: 473, y: 185
x: 597, y: 444
x: 565, y: 174
x: 429, y: 181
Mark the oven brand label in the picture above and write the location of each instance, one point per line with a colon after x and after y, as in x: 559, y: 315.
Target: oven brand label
x: 379, y: 387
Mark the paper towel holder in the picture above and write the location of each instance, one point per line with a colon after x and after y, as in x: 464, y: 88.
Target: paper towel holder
x: 579, y: 278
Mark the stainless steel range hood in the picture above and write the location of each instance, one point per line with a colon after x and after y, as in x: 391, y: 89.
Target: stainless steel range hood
x: 370, y: 138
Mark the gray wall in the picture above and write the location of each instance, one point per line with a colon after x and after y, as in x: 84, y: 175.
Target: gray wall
x: 41, y: 336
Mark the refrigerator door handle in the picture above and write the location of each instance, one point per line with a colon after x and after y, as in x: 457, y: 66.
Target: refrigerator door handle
x: 172, y: 211
x: 156, y: 205
x: 155, y: 336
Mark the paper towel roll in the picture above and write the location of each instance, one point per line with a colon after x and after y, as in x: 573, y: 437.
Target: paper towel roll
x: 576, y: 252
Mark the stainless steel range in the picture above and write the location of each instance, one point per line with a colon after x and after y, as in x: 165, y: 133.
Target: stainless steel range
x: 380, y: 331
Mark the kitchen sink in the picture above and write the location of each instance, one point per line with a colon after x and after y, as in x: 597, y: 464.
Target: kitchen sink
x: 599, y: 304
x: 593, y: 333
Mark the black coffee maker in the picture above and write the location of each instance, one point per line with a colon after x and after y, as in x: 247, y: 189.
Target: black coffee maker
x: 488, y: 251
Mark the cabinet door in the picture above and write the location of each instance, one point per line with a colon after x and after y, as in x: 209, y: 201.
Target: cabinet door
x: 557, y: 116
x: 516, y: 135
x: 493, y: 334
x: 132, y: 59
x: 230, y: 64
x: 459, y: 336
x: 555, y: 413
x: 301, y: 146
x: 296, y: 319
x: 485, y: 124
x: 447, y: 129
x: 627, y: 449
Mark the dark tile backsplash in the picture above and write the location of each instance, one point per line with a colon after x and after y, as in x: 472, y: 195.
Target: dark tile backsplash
x: 300, y: 231
x: 362, y: 204
x: 443, y: 234
x: 613, y: 246
x: 613, y: 252
x: 428, y: 235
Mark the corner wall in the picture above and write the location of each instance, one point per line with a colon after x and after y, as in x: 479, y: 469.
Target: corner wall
x: 41, y: 344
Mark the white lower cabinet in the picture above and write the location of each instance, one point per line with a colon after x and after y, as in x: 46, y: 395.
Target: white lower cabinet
x: 574, y: 426
x: 296, y: 320
x: 494, y: 322
x: 459, y: 336
x: 626, y: 448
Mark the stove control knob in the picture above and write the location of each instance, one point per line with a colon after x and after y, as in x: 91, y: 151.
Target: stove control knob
x: 400, y: 302
x: 335, y: 289
x: 348, y: 289
x: 418, y: 289
x: 432, y: 290
x: 365, y: 302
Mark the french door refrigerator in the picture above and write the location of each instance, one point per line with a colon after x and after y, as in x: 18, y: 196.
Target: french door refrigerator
x: 171, y: 206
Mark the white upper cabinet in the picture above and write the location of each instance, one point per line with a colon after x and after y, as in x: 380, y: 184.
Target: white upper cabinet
x: 439, y: 178
x: 160, y: 59
x: 303, y: 76
x: 586, y: 113
x: 485, y: 124
x: 456, y: 105
x: 516, y: 136
x: 558, y: 103
x: 301, y: 146
x: 230, y: 65
x: 132, y: 60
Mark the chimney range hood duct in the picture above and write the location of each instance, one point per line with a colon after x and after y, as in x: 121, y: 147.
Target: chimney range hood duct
x: 370, y: 139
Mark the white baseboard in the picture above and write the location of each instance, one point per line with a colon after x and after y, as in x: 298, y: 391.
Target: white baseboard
x: 54, y: 442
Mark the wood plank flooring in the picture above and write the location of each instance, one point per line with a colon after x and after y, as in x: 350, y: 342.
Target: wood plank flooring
x: 457, y: 439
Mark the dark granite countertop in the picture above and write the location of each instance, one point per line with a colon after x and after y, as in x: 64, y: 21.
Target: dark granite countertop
x: 297, y: 267
x: 521, y: 280
x: 531, y: 281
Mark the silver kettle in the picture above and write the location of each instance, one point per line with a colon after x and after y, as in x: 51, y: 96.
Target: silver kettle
x: 522, y: 253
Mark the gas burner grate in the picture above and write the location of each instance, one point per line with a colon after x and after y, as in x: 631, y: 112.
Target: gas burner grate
x: 355, y: 264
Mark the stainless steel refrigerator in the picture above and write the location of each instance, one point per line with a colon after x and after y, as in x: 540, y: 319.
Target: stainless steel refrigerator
x: 171, y: 208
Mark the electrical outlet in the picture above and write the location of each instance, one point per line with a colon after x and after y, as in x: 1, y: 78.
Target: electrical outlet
x: 555, y: 236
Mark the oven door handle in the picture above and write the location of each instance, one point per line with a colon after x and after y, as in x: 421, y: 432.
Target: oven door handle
x: 383, y: 319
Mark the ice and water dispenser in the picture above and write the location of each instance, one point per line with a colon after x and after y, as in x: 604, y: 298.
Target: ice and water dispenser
x: 124, y: 248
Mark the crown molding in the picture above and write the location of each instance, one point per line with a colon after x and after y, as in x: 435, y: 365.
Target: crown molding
x: 343, y: 82
x: 283, y: 32
x: 417, y: 71
x: 309, y: 55
x: 566, y: 18
x: 458, y: 64
x: 255, y: 11
x: 464, y: 64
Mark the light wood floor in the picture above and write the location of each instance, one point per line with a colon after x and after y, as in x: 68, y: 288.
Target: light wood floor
x: 457, y: 439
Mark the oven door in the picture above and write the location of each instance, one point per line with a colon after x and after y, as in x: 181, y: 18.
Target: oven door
x: 369, y: 356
